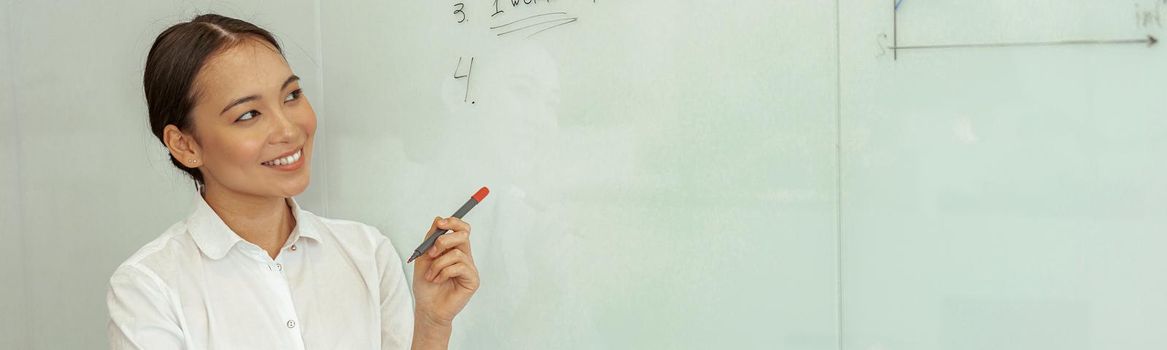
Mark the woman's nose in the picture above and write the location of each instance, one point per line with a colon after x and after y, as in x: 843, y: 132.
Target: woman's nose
x: 283, y: 129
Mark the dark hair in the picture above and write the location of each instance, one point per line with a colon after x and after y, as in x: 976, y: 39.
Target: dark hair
x: 175, y: 59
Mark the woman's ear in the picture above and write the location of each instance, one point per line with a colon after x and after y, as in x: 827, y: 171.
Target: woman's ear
x: 182, y: 146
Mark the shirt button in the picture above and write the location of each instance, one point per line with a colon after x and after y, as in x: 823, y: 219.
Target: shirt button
x: 293, y: 248
x: 279, y: 267
x: 291, y: 324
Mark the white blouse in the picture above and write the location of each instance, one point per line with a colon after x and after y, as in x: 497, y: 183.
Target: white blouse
x: 335, y: 285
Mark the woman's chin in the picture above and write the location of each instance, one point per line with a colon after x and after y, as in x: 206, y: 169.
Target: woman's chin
x: 297, y: 190
x: 294, y: 187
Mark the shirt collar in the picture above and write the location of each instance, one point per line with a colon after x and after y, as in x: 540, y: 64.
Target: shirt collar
x: 305, y: 223
x: 215, y: 239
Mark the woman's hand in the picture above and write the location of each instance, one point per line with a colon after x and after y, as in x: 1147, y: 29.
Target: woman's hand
x: 444, y: 277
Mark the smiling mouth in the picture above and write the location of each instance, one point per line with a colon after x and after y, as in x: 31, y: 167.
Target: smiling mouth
x: 282, y: 161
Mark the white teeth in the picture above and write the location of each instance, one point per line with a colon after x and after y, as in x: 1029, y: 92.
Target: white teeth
x: 285, y: 160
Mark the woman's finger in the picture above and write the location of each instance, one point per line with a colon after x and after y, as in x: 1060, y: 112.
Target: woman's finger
x: 452, y: 224
x: 449, y: 258
x: 463, y: 272
x: 458, y: 239
x: 433, y: 227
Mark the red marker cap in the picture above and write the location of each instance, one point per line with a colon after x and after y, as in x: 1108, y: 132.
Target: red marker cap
x: 481, y: 194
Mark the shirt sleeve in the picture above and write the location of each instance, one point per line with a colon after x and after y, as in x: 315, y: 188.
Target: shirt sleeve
x: 140, y: 313
x: 396, y: 300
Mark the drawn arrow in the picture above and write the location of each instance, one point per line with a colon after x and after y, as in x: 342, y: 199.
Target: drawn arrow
x: 1149, y: 41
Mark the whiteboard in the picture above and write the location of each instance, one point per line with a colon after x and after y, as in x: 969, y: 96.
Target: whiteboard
x: 662, y: 173
x: 1002, y: 187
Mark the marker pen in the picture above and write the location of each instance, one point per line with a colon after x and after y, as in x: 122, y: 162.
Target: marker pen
x: 429, y: 241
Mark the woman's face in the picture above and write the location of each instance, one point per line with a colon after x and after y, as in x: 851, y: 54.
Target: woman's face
x: 252, y: 125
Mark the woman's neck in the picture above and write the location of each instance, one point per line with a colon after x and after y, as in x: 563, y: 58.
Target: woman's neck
x: 264, y: 221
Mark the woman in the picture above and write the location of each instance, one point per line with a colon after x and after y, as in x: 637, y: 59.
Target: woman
x: 249, y: 269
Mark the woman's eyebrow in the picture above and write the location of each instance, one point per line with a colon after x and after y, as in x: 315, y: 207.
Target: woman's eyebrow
x: 290, y: 80
x: 239, y: 101
x: 250, y: 98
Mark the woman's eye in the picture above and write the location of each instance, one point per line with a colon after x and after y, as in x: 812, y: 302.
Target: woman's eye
x: 247, y: 116
x: 294, y: 95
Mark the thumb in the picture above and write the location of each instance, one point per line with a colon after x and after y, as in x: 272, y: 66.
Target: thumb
x: 423, y: 261
x: 433, y: 227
